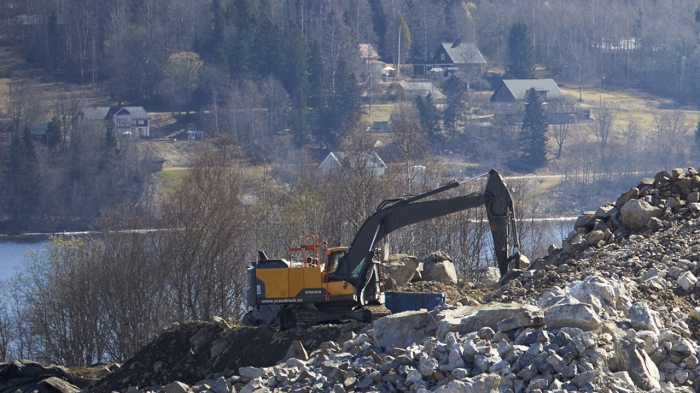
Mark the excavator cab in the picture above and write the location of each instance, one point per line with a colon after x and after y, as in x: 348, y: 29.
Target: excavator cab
x: 333, y: 257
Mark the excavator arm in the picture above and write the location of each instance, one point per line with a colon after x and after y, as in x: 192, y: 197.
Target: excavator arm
x: 391, y: 215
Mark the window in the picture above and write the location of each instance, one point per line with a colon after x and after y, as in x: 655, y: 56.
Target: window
x: 140, y: 122
x: 133, y: 122
x: 442, y: 56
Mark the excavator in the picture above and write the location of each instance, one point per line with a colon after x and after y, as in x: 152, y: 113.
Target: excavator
x: 320, y: 284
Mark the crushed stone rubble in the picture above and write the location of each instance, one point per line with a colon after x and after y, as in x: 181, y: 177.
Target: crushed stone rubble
x: 615, y: 309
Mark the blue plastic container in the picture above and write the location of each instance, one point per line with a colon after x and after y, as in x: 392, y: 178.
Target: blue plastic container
x: 410, y: 301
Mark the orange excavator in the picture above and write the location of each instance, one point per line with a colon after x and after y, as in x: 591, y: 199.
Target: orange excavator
x: 318, y: 284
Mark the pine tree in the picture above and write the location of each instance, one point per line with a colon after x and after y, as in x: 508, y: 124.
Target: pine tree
x: 521, y: 52
x: 379, y: 25
x: 429, y: 117
x: 455, y: 90
x: 533, y: 132
x: 392, y: 39
x: 214, y: 51
x: 57, y: 44
x: 22, y: 176
x: 53, y: 133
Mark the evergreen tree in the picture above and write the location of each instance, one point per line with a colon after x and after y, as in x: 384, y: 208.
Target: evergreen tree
x: 268, y: 47
x: 57, y: 44
x: 245, y: 23
x: 521, y: 52
x: 429, y: 117
x: 347, y: 93
x: 456, y: 93
x: 344, y: 102
x: 22, y: 176
x: 214, y: 51
x: 392, y: 39
x: 53, y: 133
x: 379, y: 25
x: 295, y: 79
x: 318, y: 95
x: 533, y: 132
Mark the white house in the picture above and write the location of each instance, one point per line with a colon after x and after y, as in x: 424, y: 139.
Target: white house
x: 337, y: 160
x: 128, y: 122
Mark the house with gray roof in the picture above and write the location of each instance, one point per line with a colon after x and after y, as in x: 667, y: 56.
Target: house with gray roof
x: 509, y: 97
x: 409, y: 91
x: 460, y: 56
x: 128, y: 122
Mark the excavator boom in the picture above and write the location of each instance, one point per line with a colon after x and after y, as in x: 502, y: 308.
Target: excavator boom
x: 395, y: 214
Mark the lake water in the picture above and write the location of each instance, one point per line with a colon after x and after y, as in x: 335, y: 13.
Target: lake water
x: 14, y: 253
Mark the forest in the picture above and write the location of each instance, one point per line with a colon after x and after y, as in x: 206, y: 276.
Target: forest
x: 276, y: 85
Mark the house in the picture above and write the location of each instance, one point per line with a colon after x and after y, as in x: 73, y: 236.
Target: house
x: 336, y: 160
x: 128, y: 122
x: 195, y: 135
x: 509, y: 96
x: 409, y: 90
x: 156, y: 164
x: 38, y: 130
x: 370, y: 59
x: 463, y: 56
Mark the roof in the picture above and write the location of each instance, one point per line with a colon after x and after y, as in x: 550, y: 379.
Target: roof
x: 334, y: 158
x: 417, y: 86
x: 422, y: 87
x: 136, y: 112
x: 367, y: 51
x: 103, y: 112
x: 95, y: 113
x: 464, y: 53
x: 518, y: 88
x: 38, y: 128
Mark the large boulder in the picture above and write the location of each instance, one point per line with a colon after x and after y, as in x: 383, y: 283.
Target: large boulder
x: 643, y: 318
x: 403, y: 329
x: 637, y: 363
x: 611, y: 294
x: 636, y: 214
x: 443, y: 271
x: 580, y: 315
x: 487, y: 277
x: 401, y: 268
x: 468, y: 319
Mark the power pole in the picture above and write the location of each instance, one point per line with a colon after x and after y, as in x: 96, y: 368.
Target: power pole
x: 398, y: 56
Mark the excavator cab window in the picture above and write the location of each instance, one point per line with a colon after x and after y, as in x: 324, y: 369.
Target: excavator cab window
x: 333, y: 260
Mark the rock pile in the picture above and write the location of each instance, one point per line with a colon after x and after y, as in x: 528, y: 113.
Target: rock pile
x: 614, y: 310
x: 28, y: 376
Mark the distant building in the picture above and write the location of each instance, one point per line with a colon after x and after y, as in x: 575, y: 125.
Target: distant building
x: 409, y: 91
x: 336, y: 160
x: 370, y: 59
x: 451, y: 57
x: 464, y: 56
x: 509, y: 96
x: 128, y: 122
x: 39, y: 130
x: 195, y: 135
x: 156, y: 164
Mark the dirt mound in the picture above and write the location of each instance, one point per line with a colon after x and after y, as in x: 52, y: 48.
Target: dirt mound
x: 196, y: 351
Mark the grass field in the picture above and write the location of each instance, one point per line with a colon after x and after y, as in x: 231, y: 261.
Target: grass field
x: 630, y: 105
x: 170, y: 179
x: 380, y: 112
